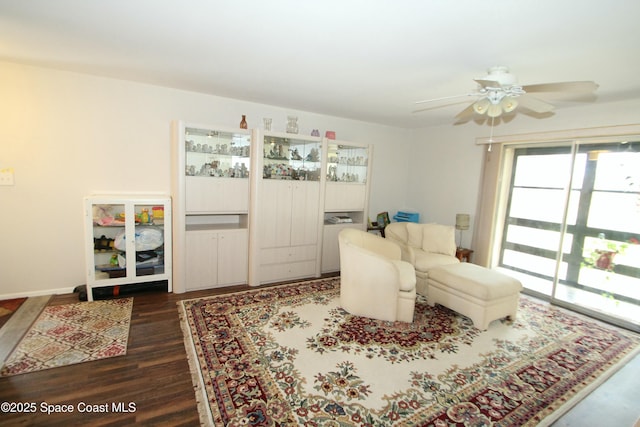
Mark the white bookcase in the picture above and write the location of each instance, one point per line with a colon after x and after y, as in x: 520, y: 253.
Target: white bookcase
x: 346, y: 202
x: 211, y: 175
x: 255, y: 207
x: 128, y: 240
x: 286, y: 231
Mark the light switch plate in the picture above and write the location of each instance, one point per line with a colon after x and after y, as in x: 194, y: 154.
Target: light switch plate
x: 6, y: 176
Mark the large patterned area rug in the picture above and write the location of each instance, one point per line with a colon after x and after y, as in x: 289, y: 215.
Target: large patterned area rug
x: 72, y: 333
x: 289, y: 355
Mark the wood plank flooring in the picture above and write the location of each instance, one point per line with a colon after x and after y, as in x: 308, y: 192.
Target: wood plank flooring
x: 154, y: 376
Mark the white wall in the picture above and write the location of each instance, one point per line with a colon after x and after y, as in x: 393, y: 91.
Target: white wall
x: 67, y: 135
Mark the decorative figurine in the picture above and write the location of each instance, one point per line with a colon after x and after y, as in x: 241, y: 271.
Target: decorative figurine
x: 292, y: 124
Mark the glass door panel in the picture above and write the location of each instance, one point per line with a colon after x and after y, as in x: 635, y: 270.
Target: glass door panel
x: 149, y: 240
x: 536, y: 208
x: 108, y: 241
x: 290, y: 157
x: 605, y: 262
x: 580, y: 250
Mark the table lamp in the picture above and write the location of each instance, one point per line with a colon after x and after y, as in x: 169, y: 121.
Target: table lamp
x: 462, y: 223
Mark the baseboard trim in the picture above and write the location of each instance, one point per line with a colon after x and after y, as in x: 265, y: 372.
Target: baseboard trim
x: 32, y: 294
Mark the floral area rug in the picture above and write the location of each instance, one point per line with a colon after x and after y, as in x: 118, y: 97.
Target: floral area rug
x: 289, y: 355
x: 72, y: 333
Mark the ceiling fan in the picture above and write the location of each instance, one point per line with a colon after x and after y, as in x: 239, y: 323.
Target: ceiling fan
x: 499, y: 92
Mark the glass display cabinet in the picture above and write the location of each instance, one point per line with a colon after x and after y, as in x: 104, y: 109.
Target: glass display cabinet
x: 347, y: 162
x: 217, y: 154
x: 291, y: 157
x: 211, y: 191
x: 287, y: 207
x: 216, y: 169
x: 347, y: 175
x: 128, y: 241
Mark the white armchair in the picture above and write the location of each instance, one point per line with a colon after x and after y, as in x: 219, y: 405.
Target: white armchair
x: 374, y: 281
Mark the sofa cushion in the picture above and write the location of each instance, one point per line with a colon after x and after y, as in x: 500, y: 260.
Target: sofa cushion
x: 477, y: 281
x: 414, y: 234
x: 439, y: 239
x: 426, y: 261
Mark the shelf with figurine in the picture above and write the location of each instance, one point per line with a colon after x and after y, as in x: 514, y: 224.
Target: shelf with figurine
x: 347, y: 163
x: 291, y: 158
x: 217, y: 154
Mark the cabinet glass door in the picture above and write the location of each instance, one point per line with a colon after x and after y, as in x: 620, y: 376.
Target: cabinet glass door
x: 217, y: 154
x: 149, y: 238
x: 294, y: 158
x: 128, y: 240
x: 109, y: 229
x: 347, y: 163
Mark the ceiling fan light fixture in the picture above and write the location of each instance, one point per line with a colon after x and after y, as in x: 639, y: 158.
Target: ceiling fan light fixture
x: 508, y: 104
x: 494, y: 110
x: 481, y: 106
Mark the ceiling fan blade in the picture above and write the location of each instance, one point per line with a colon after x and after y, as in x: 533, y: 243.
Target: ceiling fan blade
x: 465, y: 114
x: 534, y: 104
x: 443, y: 98
x: 579, y: 86
x: 487, y: 83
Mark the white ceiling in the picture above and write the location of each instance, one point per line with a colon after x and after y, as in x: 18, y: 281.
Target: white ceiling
x: 363, y: 59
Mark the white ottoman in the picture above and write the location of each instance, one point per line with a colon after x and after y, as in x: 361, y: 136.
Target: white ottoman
x: 479, y: 293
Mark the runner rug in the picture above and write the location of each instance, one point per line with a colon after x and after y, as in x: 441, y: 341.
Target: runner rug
x: 288, y: 355
x: 72, y: 333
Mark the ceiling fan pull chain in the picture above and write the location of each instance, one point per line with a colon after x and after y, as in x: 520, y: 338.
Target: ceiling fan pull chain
x: 491, y: 135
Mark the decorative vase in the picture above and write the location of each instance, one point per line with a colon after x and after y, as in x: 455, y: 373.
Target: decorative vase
x: 292, y: 124
x: 243, y: 122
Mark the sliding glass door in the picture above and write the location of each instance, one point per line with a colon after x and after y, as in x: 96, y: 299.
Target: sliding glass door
x: 572, y: 226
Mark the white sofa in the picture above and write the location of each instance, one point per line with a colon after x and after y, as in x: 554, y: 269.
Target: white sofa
x: 374, y: 281
x: 424, y: 246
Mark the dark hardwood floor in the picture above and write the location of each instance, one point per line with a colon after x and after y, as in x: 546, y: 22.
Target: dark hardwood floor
x: 153, y: 375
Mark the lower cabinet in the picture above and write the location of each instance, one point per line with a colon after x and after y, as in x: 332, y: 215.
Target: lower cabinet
x: 216, y: 258
x: 286, y: 263
x: 330, y: 247
x: 288, y: 230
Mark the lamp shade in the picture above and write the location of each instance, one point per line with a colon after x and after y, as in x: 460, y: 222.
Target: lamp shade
x: 462, y: 221
x: 508, y: 104
x: 481, y: 106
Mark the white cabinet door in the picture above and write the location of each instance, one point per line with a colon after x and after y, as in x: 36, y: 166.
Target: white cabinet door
x: 216, y: 258
x: 343, y: 196
x: 305, y: 211
x: 275, y: 214
x: 216, y: 195
x: 201, y: 259
x: 233, y: 263
x: 330, y: 247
